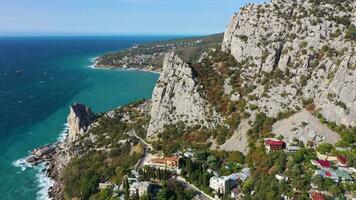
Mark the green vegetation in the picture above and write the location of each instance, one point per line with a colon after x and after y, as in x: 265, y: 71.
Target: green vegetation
x: 196, y: 170
x: 151, y: 173
x: 242, y: 37
x: 172, y: 190
x: 348, y: 135
x: 211, y: 74
x: 82, y: 175
x: 351, y: 33
x: 175, y: 137
x: 105, y: 158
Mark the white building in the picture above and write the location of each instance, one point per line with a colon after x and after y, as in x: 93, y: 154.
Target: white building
x: 224, y: 184
x: 139, y: 187
x: 220, y: 184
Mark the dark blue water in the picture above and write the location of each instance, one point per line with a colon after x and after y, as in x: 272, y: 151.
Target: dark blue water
x: 39, y: 79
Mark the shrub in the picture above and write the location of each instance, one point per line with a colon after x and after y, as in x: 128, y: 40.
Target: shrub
x: 351, y: 33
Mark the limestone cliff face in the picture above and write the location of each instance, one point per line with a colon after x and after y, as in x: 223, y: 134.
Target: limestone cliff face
x: 175, y: 97
x: 306, y: 46
x: 79, y: 119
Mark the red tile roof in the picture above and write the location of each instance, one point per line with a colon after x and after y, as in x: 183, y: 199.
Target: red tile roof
x: 342, y: 159
x: 328, y: 174
x: 324, y: 163
x: 274, y: 142
x: 317, y: 196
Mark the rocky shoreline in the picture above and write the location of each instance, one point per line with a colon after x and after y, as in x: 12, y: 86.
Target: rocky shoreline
x: 56, y: 156
x: 51, y: 156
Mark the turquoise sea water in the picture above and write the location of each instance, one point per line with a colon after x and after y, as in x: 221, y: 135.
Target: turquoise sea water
x: 39, y: 79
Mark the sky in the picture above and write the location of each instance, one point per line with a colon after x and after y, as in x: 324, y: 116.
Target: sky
x: 116, y: 17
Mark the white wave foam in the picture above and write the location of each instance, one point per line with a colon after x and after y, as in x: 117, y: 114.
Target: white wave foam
x: 22, y: 163
x: 44, y: 183
x: 93, y: 62
x: 63, y: 134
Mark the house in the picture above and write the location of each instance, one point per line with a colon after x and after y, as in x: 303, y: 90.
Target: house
x: 325, y: 157
x: 342, y: 160
x: 335, y: 175
x: 343, y: 148
x: 221, y: 185
x: 281, y: 177
x: 343, y: 175
x: 292, y: 148
x: 170, y: 163
x: 272, y: 144
x: 317, y: 196
x: 348, y: 169
x: 188, y: 154
x: 327, y: 174
x: 224, y: 184
x: 139, y: 188
x: 105, y: 185
x: 323, y: 164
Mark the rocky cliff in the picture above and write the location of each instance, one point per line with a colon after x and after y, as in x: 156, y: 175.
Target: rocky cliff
x: 79, y: 119
x: 293, y: 51
x: 175, y: 97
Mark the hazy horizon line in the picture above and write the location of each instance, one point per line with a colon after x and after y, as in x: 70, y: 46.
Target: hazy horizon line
x: 100, y: 34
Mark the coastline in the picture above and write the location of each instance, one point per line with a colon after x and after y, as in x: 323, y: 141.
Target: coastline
x: 108, y: 67
x: 23, y: 180
x: 53, y: 166
x: 95, y: 60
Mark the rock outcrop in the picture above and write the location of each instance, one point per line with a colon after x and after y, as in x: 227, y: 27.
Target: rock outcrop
x: 175, y: 97
x: 303, y: 51
x: 79, y: 119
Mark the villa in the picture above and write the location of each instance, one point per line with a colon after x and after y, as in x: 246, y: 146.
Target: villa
x: 323, y: 164
x: 272, y: 144
x: 335, y: 175
x: 317, y: 196
x: 169, y: 163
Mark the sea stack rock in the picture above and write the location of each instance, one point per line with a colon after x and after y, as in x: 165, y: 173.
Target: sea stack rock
x: 79, y: 119
x: 175, y: 97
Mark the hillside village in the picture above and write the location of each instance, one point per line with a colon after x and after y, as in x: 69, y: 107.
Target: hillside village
x: 269, y: 113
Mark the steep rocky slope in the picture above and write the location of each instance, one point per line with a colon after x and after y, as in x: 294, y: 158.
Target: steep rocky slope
x: 175, y: 97
x: 298, y: 50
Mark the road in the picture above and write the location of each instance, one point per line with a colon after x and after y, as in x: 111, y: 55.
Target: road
x: 146, y: 148
x: 200, y: 194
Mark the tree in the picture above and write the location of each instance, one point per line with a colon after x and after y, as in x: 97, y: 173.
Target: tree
x: 162, y: 194
x: 247, y: 186
x: 126, y: 186
x: 325, y: 148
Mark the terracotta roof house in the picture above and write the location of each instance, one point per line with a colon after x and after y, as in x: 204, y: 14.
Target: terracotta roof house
x: 325, y: 164
x: 317, y: 196
x: 169, y: 162
x: 342, y: 160
x: 274, y: 144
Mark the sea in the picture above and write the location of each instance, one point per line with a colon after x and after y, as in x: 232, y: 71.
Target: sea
x: 40, y: 77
